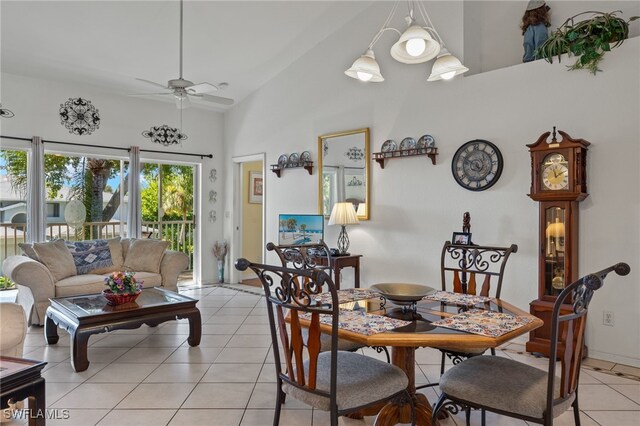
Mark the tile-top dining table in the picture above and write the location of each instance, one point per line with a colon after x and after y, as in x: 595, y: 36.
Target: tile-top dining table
x: 443, y: 320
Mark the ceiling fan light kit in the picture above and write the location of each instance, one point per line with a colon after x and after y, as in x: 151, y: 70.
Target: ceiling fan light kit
x: 416, y: 45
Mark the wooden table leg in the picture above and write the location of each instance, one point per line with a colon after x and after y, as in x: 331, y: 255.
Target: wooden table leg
x: 357, y: 273
x: 400, y: 411
x: 195, y: 328
x: 50, y: 331
x: 79, y: 343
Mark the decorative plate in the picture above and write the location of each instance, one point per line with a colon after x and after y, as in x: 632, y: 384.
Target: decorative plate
x: 389, y: 145
x: 305, y: 156
x: 407, y: 143
x: 282, y: 161
x: 293, y: 160
x: 426, y: 141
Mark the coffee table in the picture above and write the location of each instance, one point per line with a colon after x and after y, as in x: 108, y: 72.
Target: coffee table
x: 19, y: 379
x: 82, y: 316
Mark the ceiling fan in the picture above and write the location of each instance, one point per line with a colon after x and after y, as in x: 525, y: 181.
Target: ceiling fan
x: 183, y: 89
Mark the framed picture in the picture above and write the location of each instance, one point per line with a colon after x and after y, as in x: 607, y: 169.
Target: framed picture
x: 255, y: 187
x: 461, y: 238
x: 300, y: 229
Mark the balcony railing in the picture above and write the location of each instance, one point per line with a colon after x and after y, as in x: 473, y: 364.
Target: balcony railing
x: 178, y: 233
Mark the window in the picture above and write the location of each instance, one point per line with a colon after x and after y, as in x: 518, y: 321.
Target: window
x: 13, y: 202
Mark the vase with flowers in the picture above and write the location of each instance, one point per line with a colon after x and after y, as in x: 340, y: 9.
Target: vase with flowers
x: 123, y: 288
x: 220, y: 250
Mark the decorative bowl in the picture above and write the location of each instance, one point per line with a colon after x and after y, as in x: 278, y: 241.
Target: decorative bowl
x: 402, y: 293
x: 114, y: 299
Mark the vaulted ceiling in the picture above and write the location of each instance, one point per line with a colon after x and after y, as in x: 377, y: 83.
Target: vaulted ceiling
x: 110, y: 43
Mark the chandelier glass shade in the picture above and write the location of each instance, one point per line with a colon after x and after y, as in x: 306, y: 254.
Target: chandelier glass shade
x: 417, y: 44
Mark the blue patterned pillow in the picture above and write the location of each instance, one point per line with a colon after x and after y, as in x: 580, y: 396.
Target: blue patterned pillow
x: 90, y: 255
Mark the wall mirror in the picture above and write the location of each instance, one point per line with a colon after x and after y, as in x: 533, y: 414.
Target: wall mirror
x: 343, y: 164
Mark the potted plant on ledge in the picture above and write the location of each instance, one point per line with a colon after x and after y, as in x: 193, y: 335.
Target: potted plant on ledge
x: 588, y: 40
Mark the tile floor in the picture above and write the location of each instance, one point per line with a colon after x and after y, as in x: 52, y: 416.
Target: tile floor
x: 151, y: 376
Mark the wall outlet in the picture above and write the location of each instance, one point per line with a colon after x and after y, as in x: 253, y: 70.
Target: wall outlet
x: 608, y: 318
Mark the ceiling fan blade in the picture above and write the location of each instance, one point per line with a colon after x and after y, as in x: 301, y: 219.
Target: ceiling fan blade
x: 149, y: 94
x: 218, y: 99
x: 196, y: 89
x: 153, y: 82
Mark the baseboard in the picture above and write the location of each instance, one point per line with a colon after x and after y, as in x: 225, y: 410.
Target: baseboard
x: 618, y: 359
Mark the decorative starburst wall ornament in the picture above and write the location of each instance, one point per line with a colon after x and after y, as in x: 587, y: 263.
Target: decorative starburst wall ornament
x: 5, y: 113
x: 164, y: 135
x: 79, y: 116
x: 354, y: 154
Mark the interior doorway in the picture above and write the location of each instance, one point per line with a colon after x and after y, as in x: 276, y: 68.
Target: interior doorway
x: 249, y: 199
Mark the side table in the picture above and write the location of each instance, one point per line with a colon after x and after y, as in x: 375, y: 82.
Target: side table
x: 340, y: 262
x: 19, y: 379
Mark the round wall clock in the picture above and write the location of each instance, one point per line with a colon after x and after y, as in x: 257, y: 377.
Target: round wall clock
x: 477, y: 165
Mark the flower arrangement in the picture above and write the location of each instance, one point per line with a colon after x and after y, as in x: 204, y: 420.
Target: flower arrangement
x: 123, y: 283
x: 220, y: 249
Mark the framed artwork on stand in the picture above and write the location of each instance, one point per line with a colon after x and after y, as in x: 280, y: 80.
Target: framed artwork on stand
x: 255, y: 187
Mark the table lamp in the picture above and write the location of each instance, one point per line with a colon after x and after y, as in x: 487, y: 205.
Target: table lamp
x: 343, y: 214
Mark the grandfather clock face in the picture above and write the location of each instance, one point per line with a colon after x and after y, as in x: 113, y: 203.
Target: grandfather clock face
x: 554, y: 173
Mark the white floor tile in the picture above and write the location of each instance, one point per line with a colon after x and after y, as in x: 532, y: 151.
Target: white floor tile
x: 137, y: 418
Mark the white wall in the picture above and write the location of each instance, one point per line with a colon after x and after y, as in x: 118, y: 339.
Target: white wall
x: 492, y: 35
x: 416, y: 206
x: 36, y: 102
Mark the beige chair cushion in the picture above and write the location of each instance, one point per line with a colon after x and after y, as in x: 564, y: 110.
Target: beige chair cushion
x: 27, y: 248
x: 13, y: 329
x: 80, y: 284
x: 57, y: 258
x: 115, y: 247
x: 502, y: 384
x: 361, y: 381
x: 145, y: 255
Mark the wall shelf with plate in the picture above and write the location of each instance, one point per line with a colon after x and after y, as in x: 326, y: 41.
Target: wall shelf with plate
x: 380, y: 157
x: 293, y: 161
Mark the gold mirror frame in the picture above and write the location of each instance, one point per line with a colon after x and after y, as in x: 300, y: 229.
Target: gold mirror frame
x: 364, y: 215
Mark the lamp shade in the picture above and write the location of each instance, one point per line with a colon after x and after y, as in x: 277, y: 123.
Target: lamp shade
x: 365, y: 68
x: 399, y: 50
x: 446, y: 67
x: 343, y: 214
x: 555, y: 230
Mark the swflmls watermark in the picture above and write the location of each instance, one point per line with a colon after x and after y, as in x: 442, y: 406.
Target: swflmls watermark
x: 26, y: 413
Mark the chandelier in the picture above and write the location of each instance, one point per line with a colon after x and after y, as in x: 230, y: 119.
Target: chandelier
x: 419, y: 43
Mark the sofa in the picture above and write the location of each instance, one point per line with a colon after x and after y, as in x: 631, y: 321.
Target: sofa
x: 62, y: 268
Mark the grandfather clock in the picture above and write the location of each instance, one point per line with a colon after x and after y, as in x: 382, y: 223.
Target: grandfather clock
x: 558, y: 183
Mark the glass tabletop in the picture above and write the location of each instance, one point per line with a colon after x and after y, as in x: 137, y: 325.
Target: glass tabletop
x: 96, y: 304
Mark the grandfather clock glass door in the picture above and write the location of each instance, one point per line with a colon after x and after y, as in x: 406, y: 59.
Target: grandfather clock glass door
x: 554, y: 249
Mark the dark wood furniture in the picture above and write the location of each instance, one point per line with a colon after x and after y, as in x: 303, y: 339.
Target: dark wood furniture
x: 522, y: 391
x: 339, y: 384
x: 19, y: 379
x: 307, y: 165
x: 381, y: 157
x: 82, y: 316
x: 348, y: 261
x: 558, y: 183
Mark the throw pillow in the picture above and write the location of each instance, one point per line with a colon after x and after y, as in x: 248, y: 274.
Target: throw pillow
x: 57, y: 258
x: 116, y: 257
x: 145, y: 255
x: 27, y: 249
x: 90, y: 255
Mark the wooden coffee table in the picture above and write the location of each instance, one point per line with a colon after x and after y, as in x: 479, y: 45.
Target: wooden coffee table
x: 82, y: 316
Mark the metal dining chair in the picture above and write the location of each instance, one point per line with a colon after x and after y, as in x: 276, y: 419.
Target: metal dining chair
x: 462, y: 269
x: 309, y: 256
x: 336, y: 381
x: 514, y: 389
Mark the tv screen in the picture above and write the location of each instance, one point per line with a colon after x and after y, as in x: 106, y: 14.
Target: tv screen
x: 300, y: 229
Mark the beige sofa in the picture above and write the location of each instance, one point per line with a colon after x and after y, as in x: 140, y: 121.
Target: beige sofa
x: 58, y: 269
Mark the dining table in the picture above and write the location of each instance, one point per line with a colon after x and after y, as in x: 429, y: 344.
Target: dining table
x: 440, y: 320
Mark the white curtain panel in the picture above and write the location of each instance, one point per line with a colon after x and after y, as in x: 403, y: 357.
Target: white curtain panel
x: 36, y: 206
x: 134, y: 216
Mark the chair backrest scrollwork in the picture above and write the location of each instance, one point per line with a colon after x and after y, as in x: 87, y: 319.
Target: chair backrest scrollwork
x: 470, y: 264
x: 567, y: 330
x: 295, y: 292
x: 305, y: 256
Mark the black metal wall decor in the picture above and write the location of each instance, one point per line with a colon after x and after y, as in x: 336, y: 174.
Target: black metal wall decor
x: 164, y: 135
x: 5, y: 113
x: 79, y: 116
x: 354, y: 154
